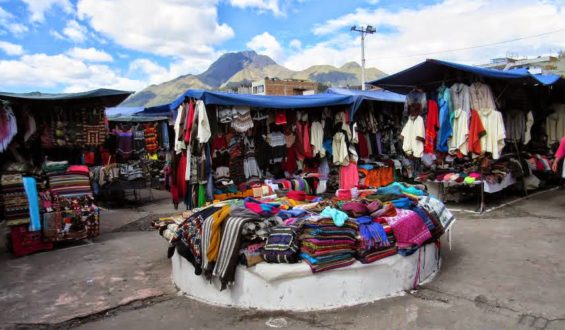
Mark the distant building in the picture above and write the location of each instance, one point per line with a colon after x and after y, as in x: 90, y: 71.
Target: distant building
x: 535, y: 65
x: 274, y: 86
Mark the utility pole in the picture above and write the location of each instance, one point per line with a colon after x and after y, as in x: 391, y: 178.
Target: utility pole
x: 364, y: 31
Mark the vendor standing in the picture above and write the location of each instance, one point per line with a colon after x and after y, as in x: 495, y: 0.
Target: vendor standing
x: 559, y: 155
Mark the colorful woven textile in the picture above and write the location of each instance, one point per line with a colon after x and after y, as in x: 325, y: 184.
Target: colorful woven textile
x: 16, y: 208
x: 69, y: 184
x: 408, y: 228
x: 325, y: 246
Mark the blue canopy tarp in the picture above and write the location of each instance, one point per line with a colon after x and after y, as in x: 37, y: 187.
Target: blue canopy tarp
x: 360, y: 96
x: 257, y: 101
x: 435, y: 72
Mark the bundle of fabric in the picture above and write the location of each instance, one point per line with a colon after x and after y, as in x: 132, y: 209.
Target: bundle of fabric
x: 437, y: 212
x: 70, y: 184
x: 50, y: 167
x: 376, y: 241
x: 409, y: 230
x: 282, y: 245
x: 325, y: 246
x: 16, y: 207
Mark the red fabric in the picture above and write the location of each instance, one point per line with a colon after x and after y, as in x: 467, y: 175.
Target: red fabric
x: 280, y: 117
x: 180, y: 179
x: 303, y: 140
x: 297, y: 195
x: 289, y: 164
x: 89, y: 158
x: 476, y: 131
x: 189, y: 122
x: 363, y: 149
x: 219, y: 142
x: 432, y: 126
x: 308, y: 152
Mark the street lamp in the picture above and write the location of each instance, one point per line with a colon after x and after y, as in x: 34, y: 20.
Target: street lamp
x: 364, y: 31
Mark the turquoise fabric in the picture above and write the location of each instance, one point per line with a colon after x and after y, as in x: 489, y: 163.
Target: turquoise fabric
x: 30, y: 186
x: 338, y: 216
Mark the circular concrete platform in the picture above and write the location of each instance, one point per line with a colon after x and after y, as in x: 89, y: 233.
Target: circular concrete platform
x: 293, y: 287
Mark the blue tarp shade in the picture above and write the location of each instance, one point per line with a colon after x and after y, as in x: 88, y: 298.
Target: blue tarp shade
x: 434, y: 72
x: 257, y: 101
x: 360, y: 96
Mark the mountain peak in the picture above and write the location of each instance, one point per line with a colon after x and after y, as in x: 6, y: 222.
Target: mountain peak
x: 230, y: 63
x: 350, y: 65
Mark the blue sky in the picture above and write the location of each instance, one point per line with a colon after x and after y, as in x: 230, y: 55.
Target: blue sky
x: 74, y: 45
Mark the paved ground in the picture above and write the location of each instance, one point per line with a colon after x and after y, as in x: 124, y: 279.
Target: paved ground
x: 506, y: 271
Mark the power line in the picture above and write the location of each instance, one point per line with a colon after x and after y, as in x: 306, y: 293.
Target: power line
x: 473, y: 47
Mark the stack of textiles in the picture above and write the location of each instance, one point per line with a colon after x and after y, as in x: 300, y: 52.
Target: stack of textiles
x: 326, y: 246
x: 74, y: 182
x: 377, y: 240
x: 16, y: 207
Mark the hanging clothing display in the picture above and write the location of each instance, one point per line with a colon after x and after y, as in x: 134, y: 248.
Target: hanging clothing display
x: 493, y: 123
x: 458, y: 142
x: 460, y: 98
x: 432, y: 127
x: 445, y: 126
x: 8, y: 127
x: 476, y: 132
x: 555, y: 124
x: 515, y: 124
x: 413, y: 135
x: 529, y: 124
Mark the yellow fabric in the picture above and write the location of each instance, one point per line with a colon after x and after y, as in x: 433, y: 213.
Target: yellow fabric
x: 217, y: 219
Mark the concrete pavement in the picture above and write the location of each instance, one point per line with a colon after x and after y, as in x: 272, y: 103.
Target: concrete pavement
x: 506, y: 271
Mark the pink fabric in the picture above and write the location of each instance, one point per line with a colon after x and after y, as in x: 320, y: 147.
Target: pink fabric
x: 408, y: 228
x: 560, y: 153
x: 348, y: 176
x: 78, y: 169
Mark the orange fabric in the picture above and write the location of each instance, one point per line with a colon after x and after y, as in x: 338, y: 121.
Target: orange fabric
x: 378, y: 177
x: 218, y: 219
x: 476, y: 131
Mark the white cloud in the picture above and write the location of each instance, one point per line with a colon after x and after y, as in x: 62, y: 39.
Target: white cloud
x: 268, y: 45
x: 39, y: 71
x: 295, y: 44
x: 37, y: 8
x: 403, y: 34
x: 155, y: 73
x: 262, y: 5
x: 9, y: 23
x: 90, y: 54
x: 56, y: 35
x: 10, y: 48
x: 74, y: 31
x: 166, y: 27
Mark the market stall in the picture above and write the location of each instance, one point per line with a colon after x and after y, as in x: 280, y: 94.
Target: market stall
x: 234, y: 145
x: 478, y: 129
x: 138, y: 151
x: 45, y: 189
